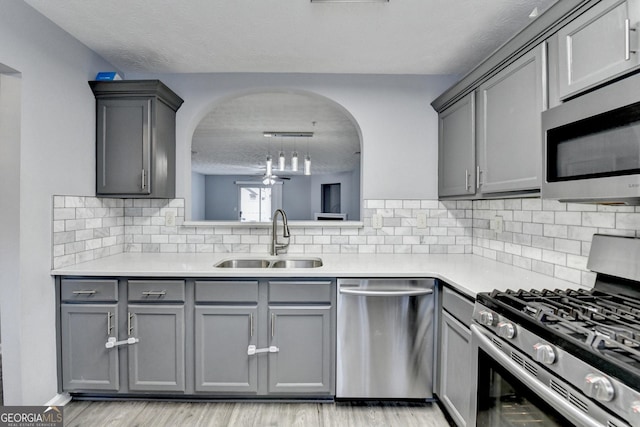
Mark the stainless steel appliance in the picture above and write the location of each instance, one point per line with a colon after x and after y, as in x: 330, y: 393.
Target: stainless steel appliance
x: 385, y: 338
x: 592, y: 146
x: 562, y: 357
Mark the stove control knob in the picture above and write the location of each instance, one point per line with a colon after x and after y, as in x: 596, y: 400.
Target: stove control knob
x: 598, y: 387
x: 506, y: 330
x: 487, y: 318
x: 544, y: 353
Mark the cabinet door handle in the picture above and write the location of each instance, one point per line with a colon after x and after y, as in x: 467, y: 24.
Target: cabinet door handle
x: 91, y: 292
x: 109, y: 325
x: 143, y: 180
x: 627, y: 39
x: 129, y: 326
x: 466, y: 179
x: 251, y: 324
x: 478, y: 172
x: 273, y: 325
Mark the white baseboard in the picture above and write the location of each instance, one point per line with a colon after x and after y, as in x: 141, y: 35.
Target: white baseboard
x: 59, y: 400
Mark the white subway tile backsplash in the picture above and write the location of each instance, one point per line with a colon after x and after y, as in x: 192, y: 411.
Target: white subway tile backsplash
x: 546, y: 236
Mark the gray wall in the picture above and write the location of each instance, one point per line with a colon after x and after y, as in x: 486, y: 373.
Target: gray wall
x: 56, y: 156
x: 221, y: 197
x: 399, y: 129
x: 197, y: 196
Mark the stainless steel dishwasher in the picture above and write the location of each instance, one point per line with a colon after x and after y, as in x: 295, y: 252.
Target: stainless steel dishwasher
x: 385, y: 347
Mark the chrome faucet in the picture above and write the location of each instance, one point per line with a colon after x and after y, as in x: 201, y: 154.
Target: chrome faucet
x: 275, y: 246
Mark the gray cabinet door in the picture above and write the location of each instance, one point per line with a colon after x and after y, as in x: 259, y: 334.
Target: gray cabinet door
x: 598, y: 45
x: 123, y: 146
x: 509, y: 127
x: 455, y: 369
x: 156, y: 362
x: 303, y: 362
x: 456, y: 151
x: 222, y: 337
x: 86, y: 363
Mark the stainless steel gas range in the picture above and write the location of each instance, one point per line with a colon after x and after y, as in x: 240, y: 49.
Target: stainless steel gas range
x: 560, y: 357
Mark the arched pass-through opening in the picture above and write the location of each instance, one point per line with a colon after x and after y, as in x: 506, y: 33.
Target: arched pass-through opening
x: 232, y: 143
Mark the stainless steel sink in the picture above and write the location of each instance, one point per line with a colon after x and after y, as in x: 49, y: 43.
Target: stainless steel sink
x: 270, y: 263
x: 243, y: 263
x: 297, y: 263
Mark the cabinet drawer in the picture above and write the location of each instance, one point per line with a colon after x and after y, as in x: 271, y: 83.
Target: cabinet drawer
x: 459, y: 306
x: 227, y: 291
x: 300, y: 291
x: 156, y: 290
x: 88, y: 290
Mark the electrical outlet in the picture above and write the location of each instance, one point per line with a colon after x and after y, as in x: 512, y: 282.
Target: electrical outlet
x: 422, y: 220
x: 498, y: 224
x: 376, y: 221
x: 170, y: 218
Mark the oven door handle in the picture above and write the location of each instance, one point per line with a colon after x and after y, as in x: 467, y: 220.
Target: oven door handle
x: 563, y: 406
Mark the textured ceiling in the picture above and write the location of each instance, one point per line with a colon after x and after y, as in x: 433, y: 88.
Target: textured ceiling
x: 288, y: 36
x: 230, y: 140
x: 398, y: 37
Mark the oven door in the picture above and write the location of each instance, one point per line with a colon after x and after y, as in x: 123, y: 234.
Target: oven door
x: 507, y: 395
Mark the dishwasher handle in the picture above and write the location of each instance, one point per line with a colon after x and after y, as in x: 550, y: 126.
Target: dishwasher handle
x: 386, y: 293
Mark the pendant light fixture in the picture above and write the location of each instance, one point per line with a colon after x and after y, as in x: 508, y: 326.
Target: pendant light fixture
x: 307, y: 157
x: 282, y: 162
x: 269, y: 165
x: 281, y: 158
x: 294, y: 157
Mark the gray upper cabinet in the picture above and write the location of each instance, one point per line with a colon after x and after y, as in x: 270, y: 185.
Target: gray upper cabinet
x: 456, y: 150
x: 599, y: 45
x: 509, y: 138
x: 135, y: 138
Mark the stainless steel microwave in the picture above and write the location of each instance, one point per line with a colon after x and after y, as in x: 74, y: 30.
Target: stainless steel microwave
x: 591, y: 146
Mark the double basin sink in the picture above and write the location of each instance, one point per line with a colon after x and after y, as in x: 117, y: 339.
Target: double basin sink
x: 270, y: 263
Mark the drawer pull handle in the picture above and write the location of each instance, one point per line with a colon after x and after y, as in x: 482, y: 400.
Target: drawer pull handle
x: 91, y: 292
x: 154, y: 293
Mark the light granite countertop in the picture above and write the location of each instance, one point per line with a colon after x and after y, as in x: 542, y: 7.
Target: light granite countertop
x: 469, y: 274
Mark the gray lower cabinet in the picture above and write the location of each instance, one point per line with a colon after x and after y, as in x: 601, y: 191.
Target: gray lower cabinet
x: 265, y: 337
x: 156, y: 361
x: 201, y: 338
x: 223, y: 335
x: 303, y: 338
x: 156, y: 318
x: 86, y: 363
x: 456, y: 149
x: 456, y: 391
x: 509, y: 139
x: 599, y: 45
x: 88, y: 317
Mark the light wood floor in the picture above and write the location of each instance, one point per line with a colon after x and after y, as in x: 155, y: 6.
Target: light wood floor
x: 174, y: 414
